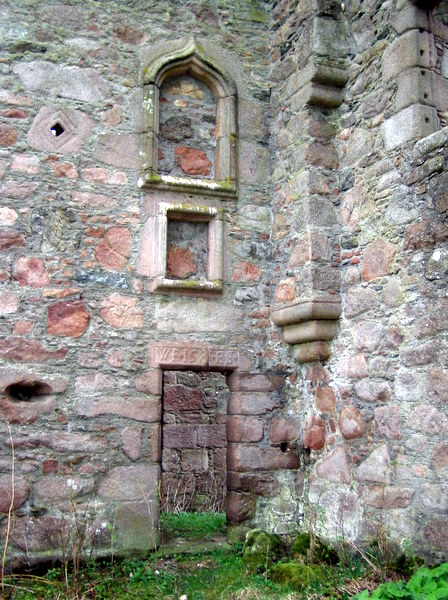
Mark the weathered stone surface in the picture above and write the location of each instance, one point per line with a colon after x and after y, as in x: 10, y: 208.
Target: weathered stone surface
x: 373, y: 391
x: 120, y: 150
x: 78, y: 442
x: 178, y: 398
x: 193, y: 161
x: 137, y: 482
x: 438, y: 383
x: 8, y: 216
x: 261, y: 484
x: 8, y: 135
x: 54, y: 489
x: 283, y: 430
x: 378, y: 259
x: 368, y: 336
x: 21, y: 493
x: 376, y: 467
x: 131, y: 442
x: 31, y: 271
x: 351, y: 424
x: 121, y: 312
x: 69, y: 319
x: 18, y: 349
x: 67, y: 82
x: 9, y: 303
x: 428, y: 419
x: 244, y: 429
x: 353, y: 367
x: 140, y: 409
x: 180, y: 263
x: 439, y: 459
x: 325, y: 399
x: 387, y: 498
x: 358, y: 301
x: 75, y: 127
x: 11, y: 239
x: 315, y: 433
x: 335, y: 467
x: 113, y: 251
x: 250, y: 403
x: 25, y: 412
x: 245, y: 271
x: 388, y: 422
x: 189, y: 316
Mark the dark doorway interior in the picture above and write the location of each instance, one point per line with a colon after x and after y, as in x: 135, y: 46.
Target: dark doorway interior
x: 194, y: 441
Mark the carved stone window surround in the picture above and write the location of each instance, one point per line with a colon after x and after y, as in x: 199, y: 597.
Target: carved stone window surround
x: 191, y: 60
x: 153, y: 253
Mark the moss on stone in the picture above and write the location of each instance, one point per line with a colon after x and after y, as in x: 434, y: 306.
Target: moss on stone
x: 261, y: 549
x: 298, y: 574
x: 322, y: 552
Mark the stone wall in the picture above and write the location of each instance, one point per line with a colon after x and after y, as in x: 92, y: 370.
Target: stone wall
x: 296, y: 244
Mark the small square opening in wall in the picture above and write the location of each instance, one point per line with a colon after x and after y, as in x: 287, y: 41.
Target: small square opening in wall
x: 187, y: 248
x: 57, y: 129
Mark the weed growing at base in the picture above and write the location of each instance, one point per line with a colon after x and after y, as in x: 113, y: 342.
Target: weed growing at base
x: 204, y: 525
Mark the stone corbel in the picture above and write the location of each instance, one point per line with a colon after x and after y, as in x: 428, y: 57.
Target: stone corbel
x: 309, y: 324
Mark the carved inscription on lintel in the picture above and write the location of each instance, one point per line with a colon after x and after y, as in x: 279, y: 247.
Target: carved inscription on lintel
x: 194, y: 357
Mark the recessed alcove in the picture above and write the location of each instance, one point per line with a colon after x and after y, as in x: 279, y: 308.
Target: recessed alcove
x: 191, y: 99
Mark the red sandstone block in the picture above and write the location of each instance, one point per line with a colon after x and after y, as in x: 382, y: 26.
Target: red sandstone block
x: 150, y: 382
x: 147, y: 410
x: 69, y: 319
x: 8, y: 135
x: 244, y: 429
x: 378, y: 259
x: 212, y: 436
x: 25, y: 412
x: 255, y: 403
x: 315, y: 434
x: 261, y: 484
x: 239, y: 507
x: 21, y: 492
x: 245, y: 271
x: 11, y: 239
x: 179, y: 436
x: 325, y: 399
x: 22, y: 350
x: 49, y: 466
x: 250, y: 382
x: 284, y: 430
x: 31, y: 271
x: 244, y: 458
x: 178, y: 398
x: 274, y: 458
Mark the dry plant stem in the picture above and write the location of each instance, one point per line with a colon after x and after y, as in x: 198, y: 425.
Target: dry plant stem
x: 11, y: 506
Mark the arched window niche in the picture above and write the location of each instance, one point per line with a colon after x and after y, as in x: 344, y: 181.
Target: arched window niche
x: 190, y: 60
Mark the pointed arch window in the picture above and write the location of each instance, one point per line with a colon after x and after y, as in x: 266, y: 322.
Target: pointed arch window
x: 164, y: 72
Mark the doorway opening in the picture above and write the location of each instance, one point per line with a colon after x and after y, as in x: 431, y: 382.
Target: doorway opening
x: 194, y: 445
x: 194, y: 441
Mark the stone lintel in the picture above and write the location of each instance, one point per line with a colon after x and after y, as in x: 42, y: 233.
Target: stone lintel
x: 185, y: 355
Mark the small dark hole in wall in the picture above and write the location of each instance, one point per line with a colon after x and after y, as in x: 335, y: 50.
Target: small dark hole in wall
x: 57, y: 130
x: 425, y: 95
x: 422, y: 52
x: 27, y: 390
x: 426, y: 120
x: 423, y: 73
x: 283, y: 446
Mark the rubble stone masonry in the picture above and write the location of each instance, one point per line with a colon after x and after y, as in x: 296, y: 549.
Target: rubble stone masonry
x: 254, y: 189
